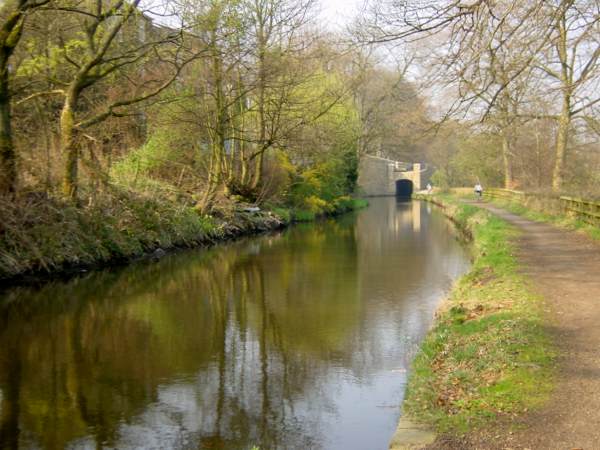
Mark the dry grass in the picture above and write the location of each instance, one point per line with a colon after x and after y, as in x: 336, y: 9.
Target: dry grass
x: 43, y: 234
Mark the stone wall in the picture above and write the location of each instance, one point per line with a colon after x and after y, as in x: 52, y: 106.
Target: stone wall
x: 377, y: 176
x: 374, y: 176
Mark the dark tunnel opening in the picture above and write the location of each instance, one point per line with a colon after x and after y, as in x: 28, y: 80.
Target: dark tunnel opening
x: 404, y: 188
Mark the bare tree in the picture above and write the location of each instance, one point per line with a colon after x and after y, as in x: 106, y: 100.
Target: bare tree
x: 498, y: 52
x: 118, y: 44
x: 12, y: 18
x: 490, y: 66
x: 572, y: 63
x: 276, y: 25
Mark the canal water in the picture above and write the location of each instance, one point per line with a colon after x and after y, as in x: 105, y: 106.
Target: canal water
x: 296, y: 340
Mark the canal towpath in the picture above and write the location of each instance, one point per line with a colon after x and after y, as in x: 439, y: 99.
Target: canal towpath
x: 564, y: 268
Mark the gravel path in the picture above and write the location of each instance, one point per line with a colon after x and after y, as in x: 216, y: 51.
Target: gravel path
x: 564, y: 268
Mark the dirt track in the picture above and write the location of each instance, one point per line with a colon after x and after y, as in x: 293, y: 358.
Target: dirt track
x: 564, y: 268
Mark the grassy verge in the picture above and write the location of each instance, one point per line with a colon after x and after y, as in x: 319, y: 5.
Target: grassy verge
x: 41, y: 235
x: 487, y: 356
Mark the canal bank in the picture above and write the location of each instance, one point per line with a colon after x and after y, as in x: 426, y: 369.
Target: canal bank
x: 41, y: 239
x: 488, y: 357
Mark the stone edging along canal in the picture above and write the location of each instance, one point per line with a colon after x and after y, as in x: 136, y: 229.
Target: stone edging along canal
x: 487, y: 358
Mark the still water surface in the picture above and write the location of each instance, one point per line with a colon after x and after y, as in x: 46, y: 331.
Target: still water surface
x: 298, y: 340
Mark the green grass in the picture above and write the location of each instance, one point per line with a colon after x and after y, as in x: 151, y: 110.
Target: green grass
x: 488, y: 355
x: 359, y: 203
x: 44, y: 234
x: 49, y: 235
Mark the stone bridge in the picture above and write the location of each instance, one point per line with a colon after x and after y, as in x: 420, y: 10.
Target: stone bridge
x: 380, y: 176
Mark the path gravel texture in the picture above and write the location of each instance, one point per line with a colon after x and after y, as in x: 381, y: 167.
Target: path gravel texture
x: 564, y: 267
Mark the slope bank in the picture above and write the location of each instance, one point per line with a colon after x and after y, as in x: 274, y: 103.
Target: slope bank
x: 41, y: 237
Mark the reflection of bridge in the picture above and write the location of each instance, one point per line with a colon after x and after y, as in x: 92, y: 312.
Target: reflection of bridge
x: 381, y: 176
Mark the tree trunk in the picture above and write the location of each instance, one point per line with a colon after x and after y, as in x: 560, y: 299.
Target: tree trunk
x: 564, y: 122
x: 241, y: 126
x: 69, y: 148
x: 8, y: 164
x: 258, y: 168
x: 218, y: 138
x: 213, y: 181
x: 562, y: 140
x: 10, y: 34
x: 507, y: 161
x: 262, y: 48
x: 243, y: 165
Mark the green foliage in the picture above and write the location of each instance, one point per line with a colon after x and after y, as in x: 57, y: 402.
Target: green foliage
x: 346, y: 203
x: 478, y: 158
x: 463, y: 157
x: 327, y: 168
x: 163, y: 146
x: 440, y: 180
x: 320, y: 207
x: 318, y: 188
x: 283, y: 213
x: 301, y: 215
x: 488, y: 354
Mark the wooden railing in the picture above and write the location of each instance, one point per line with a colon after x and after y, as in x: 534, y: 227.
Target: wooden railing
x: 585, y: 210
x: 504, y: 194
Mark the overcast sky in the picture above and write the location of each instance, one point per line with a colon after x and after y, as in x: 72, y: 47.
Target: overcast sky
x: 339, y: 12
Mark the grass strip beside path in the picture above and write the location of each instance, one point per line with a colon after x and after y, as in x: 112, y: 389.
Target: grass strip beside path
x: 537, y: 212
x: 488, y: 357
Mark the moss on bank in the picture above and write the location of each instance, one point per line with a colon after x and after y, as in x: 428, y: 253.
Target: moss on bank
x: 488, y: 356
x: 40, y: 235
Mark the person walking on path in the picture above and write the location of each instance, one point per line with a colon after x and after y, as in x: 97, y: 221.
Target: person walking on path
x: 478, y: 190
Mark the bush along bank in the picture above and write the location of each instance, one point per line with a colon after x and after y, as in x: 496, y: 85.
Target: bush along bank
x: 320, y: 209
x: 41, y: 236
x: 487, y: 357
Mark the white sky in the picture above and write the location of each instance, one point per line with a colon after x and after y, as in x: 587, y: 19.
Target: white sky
x: 332, y: 14
x: 338, y: 13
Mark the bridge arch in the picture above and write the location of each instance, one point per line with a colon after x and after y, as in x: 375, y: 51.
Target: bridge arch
x: 404, y: 188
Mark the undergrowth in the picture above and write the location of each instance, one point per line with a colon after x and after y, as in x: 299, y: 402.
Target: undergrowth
x: 320, y: 209
x: 40, y: 234
x: 44, y: 234
x: 488, y: 355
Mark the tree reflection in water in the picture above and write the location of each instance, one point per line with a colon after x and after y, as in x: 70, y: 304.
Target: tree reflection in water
x: 264, y: 342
